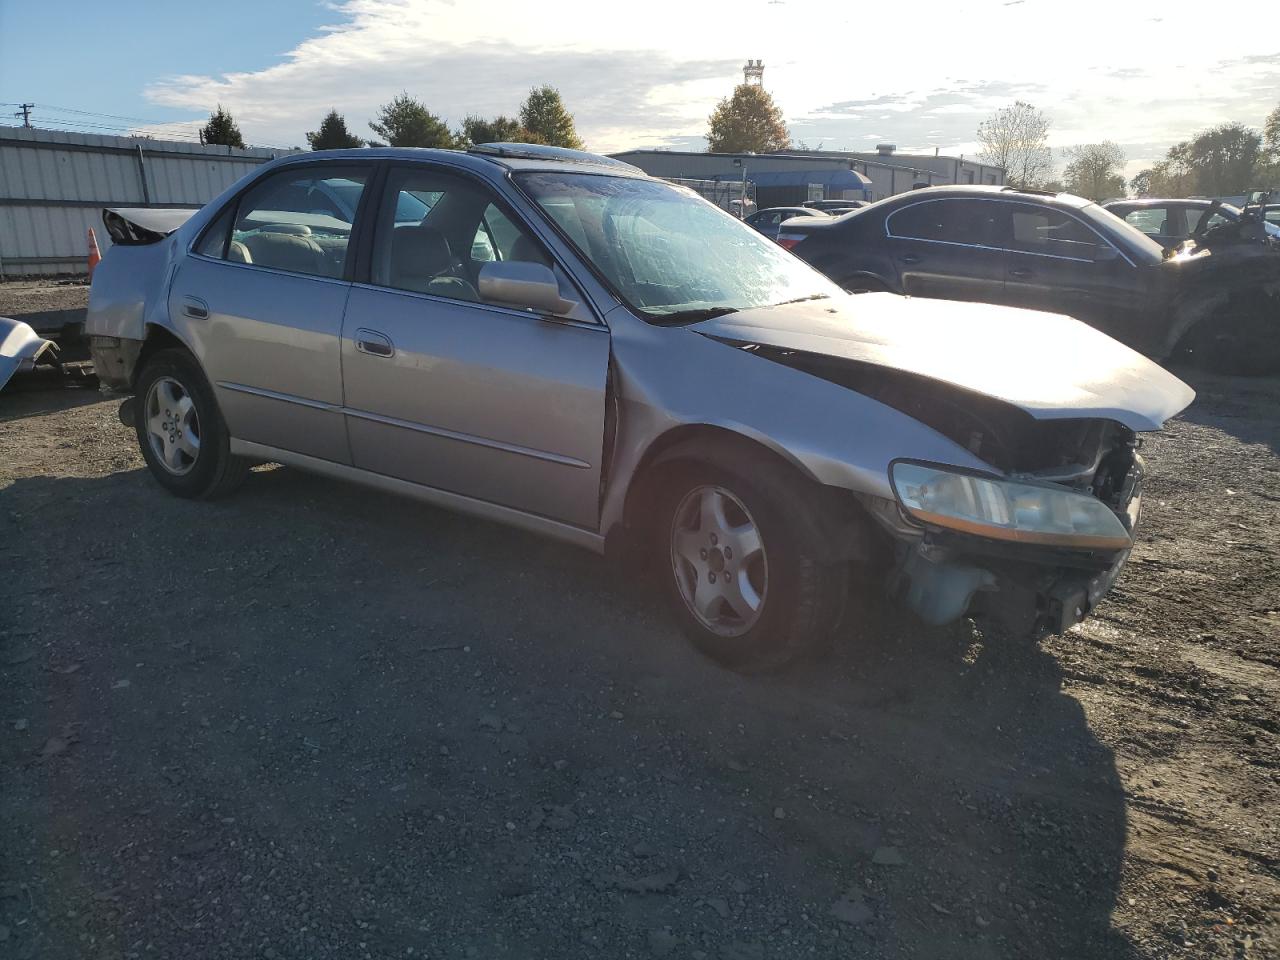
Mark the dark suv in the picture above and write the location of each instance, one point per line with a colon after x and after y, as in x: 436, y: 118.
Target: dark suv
x: 1051, y: 252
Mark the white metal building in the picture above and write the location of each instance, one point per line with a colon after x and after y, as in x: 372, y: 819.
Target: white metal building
x: 54, y: 184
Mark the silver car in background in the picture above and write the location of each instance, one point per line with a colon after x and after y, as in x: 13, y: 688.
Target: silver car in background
x: 554, y: 340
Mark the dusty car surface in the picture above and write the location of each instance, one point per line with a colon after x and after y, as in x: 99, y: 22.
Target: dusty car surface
x: 567, y: 345
x: 1056, y: 253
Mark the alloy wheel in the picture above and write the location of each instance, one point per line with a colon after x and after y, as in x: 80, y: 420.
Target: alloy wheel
x: 718, y: 559
x: 173, y: 426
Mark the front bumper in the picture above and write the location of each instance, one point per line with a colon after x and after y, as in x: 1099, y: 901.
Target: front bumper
x: 1021, y: 589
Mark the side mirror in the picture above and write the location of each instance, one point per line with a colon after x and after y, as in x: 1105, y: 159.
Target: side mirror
x: 1105, y: 253
x: 520, y: 283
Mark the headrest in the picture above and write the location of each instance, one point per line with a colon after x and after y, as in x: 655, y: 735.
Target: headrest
x: 420, y: 251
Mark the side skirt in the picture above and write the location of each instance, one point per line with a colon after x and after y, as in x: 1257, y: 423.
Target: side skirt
x: 440, y: 498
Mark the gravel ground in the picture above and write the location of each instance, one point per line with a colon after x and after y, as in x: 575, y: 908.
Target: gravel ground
x: 48, y: 306
x: 314, y: 721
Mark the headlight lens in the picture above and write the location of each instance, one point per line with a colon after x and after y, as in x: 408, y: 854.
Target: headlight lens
x: 1006, y: 509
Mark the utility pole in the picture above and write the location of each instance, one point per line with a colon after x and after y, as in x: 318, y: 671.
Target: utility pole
x: 24, y: 111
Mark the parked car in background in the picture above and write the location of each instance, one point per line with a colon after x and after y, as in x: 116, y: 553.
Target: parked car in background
x: 1171, y: 223
x: 1055, y: 253
x: 830, y: 206
x: 768, y: 220
x: 624, y: 366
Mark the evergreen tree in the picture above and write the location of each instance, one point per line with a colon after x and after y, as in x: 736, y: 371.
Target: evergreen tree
x: 543, y: 115
x: 333, y: 134
x: 221, y: 129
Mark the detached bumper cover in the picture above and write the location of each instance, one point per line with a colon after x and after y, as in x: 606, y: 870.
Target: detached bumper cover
x: 21, y: 348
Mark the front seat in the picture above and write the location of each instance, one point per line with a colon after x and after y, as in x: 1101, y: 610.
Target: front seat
x: 421, y: 261
x: 527, y: 251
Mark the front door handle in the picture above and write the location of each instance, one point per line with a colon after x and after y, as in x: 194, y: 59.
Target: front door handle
x: 374, y: 343
x: 195, y: 308
x: 1020, y: 274
x: 910, y: 258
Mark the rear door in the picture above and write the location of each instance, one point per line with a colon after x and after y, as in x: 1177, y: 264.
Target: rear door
x: 1060, y: 264
x: 442, y: 389
x: 261, y: 299
x: 1164, y: 224
x: 948, y: 248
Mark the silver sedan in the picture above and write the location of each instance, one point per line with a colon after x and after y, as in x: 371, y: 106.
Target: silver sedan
x: 556, y: 341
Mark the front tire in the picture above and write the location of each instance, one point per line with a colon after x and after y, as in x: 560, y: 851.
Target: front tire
x: 181, y: 431
x: 742, y: 566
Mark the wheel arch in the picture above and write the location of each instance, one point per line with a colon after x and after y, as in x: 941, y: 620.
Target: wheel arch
x: 155, y: 339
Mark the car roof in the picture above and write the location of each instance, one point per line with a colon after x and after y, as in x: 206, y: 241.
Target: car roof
x: 1159, y: 202
x: 485, y: 158
x: 994, y: 192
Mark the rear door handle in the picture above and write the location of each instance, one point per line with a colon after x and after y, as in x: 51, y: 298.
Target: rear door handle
x: 374, y: 343
x: 195, y: 308
x: 1021, y: 274
x: 910, y: 258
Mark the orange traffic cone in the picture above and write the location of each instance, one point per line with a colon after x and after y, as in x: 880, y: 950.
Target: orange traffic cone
x: 94, y: 255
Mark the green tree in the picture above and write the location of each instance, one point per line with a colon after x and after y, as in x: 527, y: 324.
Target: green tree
x: 1093, y: 170
x: 1140, y: 184
x: 498, y: 130
x: 406, y: 122
x: 747, y: 122
x: 1224, y: 159
x: 1016, y: 139
x: 1173, y: 176
x: 1271, y: 135
x: 543, y: 114
x: 221, y: 129
x: 333, y: 134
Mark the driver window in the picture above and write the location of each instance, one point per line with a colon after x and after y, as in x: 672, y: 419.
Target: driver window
x: 441, y: 250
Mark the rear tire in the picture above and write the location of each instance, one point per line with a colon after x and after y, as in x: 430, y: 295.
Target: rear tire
x: 181, y: 431
x: 751, y: 589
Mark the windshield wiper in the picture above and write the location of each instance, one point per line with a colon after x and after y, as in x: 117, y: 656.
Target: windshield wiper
x: 812, y: 296
x: 692, y: 316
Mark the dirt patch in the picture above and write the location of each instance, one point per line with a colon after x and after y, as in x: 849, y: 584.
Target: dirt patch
x: 314, y: 721
x: 50, y: 307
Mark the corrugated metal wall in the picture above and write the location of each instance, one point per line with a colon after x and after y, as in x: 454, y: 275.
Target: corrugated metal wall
x: 54, y: 184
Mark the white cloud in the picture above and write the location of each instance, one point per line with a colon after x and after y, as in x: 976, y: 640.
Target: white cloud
x: 649, y: 76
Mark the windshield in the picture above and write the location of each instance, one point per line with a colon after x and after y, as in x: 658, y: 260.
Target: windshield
x: 671, y: 256
x: 1124, y: 234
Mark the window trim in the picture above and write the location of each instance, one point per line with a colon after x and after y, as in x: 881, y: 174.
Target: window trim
x: 888, y: 232
x: 365, y: 277
x: 233, y: 205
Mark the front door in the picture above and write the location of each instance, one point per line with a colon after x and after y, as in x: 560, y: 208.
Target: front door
x: 261, y: 300
x: 1059, y: 264
x: 948, y: 249
x: 443, y: 389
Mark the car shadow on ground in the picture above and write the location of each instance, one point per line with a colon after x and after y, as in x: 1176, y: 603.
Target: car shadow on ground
x: 403, y: 703
x: 1241, y: 406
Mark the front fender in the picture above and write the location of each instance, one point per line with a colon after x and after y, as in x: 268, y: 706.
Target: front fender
x: 673, y: 378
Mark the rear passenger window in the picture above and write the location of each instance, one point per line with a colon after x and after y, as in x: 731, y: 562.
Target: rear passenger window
x: 1052, y: 232
x: 298, y: 220
x: 1153, y: 221
x: 971, y: 222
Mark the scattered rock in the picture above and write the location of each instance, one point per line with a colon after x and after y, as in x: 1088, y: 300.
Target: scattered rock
x: 560, y: 765
x: 20, y: 724
x: 651, y: 883
x: 662, y: 941
x: 18, y: 658
x: 719, y: 905
x: 54, y: 746
x: 852, y: 908
x: 490, y: 721
x: 4, y: 933
x: 120, y: 685
x: 943, y: 911
x: 67, y: 670
x: 888, y: 857
x: 444, y: 751
x: 779, y: 813
x: 981, y: 921
x: 615, y: 715
x: 513, y: 887
x: 737, y: 766
x: 643, y: 849
x: 560, y: 818
x: 740, y: 886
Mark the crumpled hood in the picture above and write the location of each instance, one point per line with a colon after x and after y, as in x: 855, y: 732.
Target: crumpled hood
x: 21, y: 348
x: 1047, y: 364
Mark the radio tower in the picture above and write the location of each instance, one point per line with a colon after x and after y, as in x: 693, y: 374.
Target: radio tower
x: 753, y: 72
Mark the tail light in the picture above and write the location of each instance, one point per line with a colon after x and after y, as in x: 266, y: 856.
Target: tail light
x: 789, y: 240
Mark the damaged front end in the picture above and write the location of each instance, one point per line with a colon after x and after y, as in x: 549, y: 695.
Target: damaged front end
x: 22, y: 349
x: 1031, y: 545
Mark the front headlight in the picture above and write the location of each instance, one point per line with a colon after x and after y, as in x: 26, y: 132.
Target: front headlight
x: 1005, y: 509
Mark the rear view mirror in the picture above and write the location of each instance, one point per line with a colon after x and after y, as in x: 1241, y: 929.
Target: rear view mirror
x: 520, y: 283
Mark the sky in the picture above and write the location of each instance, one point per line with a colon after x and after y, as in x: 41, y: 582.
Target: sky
x: 847, y: 75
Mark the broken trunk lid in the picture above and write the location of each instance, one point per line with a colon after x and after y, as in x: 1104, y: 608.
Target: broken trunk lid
x: 139, y: 225
x: 1047, y: 364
